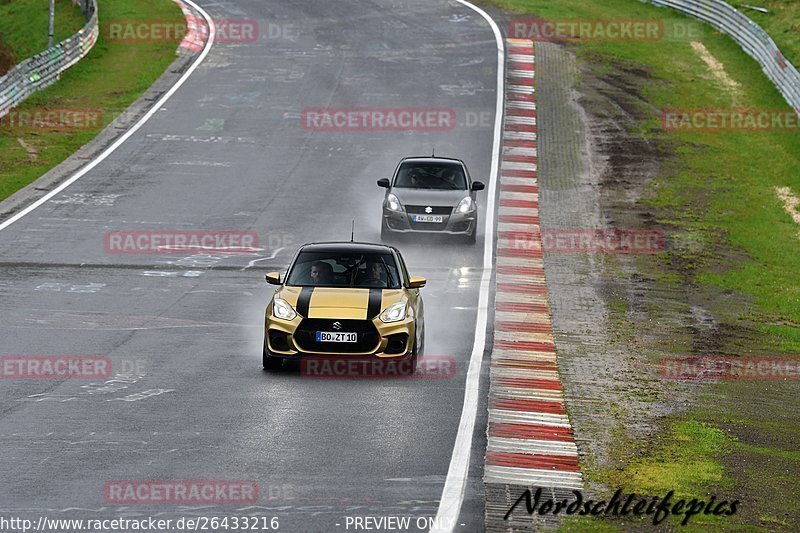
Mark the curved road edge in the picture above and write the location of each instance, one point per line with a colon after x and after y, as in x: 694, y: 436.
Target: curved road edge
x: 458, y: 471
x: 118, y: 131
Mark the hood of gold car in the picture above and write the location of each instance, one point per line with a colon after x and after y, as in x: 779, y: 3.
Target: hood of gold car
x: 340, y: 302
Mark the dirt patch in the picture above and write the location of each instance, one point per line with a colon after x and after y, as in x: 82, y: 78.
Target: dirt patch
x: 790, y: 202
x: 33, y: 154
x: 715, y: 66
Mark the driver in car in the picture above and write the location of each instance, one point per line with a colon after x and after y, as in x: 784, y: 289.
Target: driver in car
x: 450, y: 178
x: 321, y: 273
x: 374, y: 275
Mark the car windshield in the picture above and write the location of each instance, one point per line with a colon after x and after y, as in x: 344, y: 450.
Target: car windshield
x: 446, y: 176
x: 344, y: 269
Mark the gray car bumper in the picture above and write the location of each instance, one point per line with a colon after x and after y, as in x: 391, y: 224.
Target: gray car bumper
x: 453, y: 224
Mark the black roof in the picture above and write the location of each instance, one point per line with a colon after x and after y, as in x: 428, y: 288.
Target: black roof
x: 432, y: 159
x: 347, y: 247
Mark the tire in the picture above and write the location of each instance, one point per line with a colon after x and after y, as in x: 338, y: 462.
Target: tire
x: 270, y: 363
x: 472, y: 238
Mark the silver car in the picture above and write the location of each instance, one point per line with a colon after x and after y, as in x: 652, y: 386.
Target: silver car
x: 430, y: 195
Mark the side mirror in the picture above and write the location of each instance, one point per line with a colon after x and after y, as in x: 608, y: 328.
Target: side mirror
x: 478, y: 186
x: 416, y: 282
x: 273, y: 278
x: 383, y: 182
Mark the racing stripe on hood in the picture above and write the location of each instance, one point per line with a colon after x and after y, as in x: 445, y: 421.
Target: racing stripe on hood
x: 374, y: 305
x: 304, y: 301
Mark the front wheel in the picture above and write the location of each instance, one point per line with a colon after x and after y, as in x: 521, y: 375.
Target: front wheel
x: 472, y: 238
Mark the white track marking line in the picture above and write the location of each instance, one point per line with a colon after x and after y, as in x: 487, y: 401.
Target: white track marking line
x: 108, y: 151
x: 457, y: 473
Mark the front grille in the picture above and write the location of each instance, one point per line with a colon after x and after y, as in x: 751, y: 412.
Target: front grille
x: 420, y: 210
x: 306, y: 336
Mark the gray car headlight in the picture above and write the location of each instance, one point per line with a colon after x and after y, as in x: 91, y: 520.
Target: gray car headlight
x: 393, y: 203
x: 466, y: 205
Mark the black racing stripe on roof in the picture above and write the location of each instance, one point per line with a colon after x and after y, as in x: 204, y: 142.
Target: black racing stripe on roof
x: 347, y: 247
x: 304, y: 301
x: 374, y: 305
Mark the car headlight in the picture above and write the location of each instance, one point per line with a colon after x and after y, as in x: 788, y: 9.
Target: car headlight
x: 466, y: 205
x: 393, y: 203
x: 282, y: 309
x: 394, y: 313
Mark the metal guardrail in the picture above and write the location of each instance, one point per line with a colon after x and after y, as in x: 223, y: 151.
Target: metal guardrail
x: 750, y: 36
x: 43, y: 69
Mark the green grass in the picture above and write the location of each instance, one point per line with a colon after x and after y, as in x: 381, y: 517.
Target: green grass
x: 24, y: 25
x: 782, y: 23
x: 685, y: 463
x: 111, y: 77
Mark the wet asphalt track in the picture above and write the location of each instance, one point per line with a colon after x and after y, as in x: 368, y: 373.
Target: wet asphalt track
x: 228, y: 152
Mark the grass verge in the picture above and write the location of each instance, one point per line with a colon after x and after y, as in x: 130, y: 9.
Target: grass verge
x: 24, y: 25
x: 111, y: 77
x: 782, y: 23
x: 715, y: 196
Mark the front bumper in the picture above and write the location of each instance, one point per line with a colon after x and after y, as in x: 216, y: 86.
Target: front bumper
x: 453, y: 224
x: 295, y: 339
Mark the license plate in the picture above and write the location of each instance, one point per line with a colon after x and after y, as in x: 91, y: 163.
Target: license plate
x: 335, y: 336
x: 438, y: 219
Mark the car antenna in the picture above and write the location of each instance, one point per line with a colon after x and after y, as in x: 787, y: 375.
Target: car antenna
x: 433, y: 152
x: 352, y: 229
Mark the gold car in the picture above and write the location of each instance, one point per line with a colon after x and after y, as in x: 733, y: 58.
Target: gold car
x: 345, y: 299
